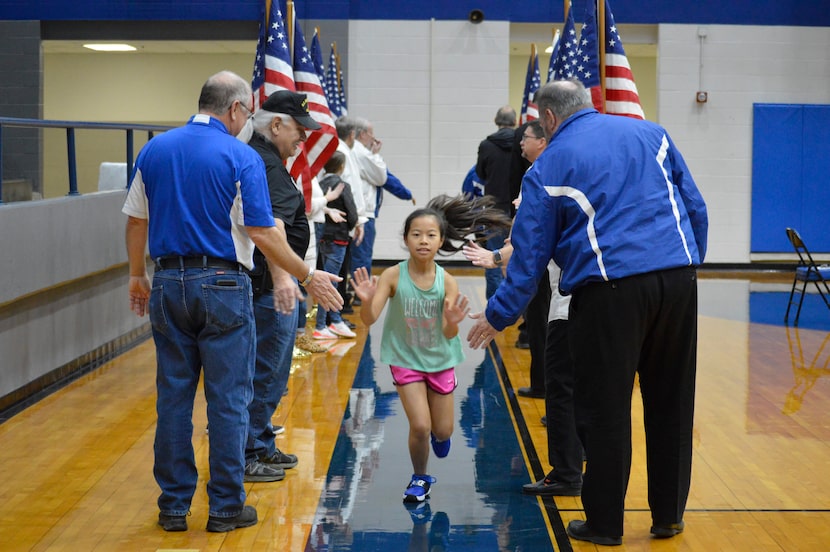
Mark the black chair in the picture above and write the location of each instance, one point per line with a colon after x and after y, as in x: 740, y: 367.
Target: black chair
x: 807, y: 271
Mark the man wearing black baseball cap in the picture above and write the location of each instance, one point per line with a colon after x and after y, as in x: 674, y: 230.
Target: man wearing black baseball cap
x: 291, y: 103
x: 279, y: 129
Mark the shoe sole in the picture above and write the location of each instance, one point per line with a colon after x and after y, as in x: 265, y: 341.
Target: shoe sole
x: 411, y: 499
x: 263, y: 478
x: 548, y: 492
x: 666, y: 532
x: 222, y: 527
x: 596, y: 539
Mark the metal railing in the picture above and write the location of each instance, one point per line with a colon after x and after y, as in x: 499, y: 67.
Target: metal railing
x: 70, y: 127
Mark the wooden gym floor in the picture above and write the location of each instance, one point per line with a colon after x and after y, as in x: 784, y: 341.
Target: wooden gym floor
x: 76, y: 468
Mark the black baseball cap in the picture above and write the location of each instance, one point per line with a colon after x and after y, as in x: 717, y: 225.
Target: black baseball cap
x: 291, y: 103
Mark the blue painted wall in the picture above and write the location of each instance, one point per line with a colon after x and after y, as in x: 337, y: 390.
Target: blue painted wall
x: 734, y: 12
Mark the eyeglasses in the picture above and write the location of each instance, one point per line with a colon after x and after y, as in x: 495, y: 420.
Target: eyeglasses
x: 526, y: 136
x: 245, y: 107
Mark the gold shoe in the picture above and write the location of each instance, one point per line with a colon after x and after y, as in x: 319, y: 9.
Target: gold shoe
x: 303, y: 342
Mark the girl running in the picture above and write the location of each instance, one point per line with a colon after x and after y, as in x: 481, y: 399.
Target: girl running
x: 420, y: 333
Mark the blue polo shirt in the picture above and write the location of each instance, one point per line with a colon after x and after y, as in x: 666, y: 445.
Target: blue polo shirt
x: 198, y: 187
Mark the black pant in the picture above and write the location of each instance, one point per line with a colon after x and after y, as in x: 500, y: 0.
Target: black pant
x: 564, y: 448
x: 536, y: 320
x: 646, y: 325
x: 343, y: 287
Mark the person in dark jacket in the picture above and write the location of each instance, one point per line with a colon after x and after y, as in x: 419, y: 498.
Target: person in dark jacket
x: 334, y: 242
x: 493, y: 168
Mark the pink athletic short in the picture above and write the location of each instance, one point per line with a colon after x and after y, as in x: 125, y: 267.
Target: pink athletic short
x: 442, y: 382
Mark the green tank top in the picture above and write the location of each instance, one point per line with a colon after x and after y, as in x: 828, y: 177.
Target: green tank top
x: 413, y: 335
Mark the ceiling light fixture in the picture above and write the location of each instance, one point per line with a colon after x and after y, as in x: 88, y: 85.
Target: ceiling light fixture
x: 110, y: 47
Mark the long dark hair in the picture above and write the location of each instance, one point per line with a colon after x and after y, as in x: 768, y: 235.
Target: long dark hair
x: 461, y: 216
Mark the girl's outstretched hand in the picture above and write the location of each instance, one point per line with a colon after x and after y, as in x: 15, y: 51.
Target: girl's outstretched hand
x: 364, y: 285
x: 457, y: 311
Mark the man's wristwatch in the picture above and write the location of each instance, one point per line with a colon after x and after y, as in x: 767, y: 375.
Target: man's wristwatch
x: 308, y: 278
x: 497, y: 257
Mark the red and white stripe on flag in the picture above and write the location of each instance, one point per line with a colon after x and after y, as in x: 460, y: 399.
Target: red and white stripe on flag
x: 621, y: 97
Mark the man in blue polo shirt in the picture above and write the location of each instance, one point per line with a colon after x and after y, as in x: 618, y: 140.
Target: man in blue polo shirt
x: 202, y: 197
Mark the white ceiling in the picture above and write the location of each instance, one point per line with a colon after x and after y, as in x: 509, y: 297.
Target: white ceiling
x: 155, y: 46
x: 639, y: 40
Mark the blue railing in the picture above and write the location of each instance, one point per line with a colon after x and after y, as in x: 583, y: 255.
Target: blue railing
x: 70, y: 127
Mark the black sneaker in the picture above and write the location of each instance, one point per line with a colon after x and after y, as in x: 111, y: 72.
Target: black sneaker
x: 245, y: 518
x: 280, y: 460
x: 547, y: 486
x: 579, y: 530
x: 258, y: 472
x: 173, y: 523
x: 667, y: 531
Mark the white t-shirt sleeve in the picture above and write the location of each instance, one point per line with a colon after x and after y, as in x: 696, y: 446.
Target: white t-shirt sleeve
x: 136, y: 203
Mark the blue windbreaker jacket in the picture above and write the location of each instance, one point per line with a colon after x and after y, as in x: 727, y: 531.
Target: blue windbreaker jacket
x: 610, y: 197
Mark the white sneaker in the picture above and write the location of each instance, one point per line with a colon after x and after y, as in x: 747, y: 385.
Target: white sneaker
x: 325, y: 333
x: 341, y: 329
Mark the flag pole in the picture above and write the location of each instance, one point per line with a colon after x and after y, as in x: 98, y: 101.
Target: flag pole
x: 601, y: 45
x: 289, y: 24
x: 337, y: 64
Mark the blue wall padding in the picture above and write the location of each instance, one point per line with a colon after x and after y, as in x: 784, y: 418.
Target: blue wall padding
x: 790, y: 176
x: 815, y: 179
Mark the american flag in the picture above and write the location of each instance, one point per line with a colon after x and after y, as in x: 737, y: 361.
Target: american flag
x: 554, y: 52
x: 621, y: 96
x: 332, y: 86
x: 565, y: 64
x: 533, y: 80
x: 273, y: 71
x: 322, y: 143
x: 272, y: 65
x: 317, y: 60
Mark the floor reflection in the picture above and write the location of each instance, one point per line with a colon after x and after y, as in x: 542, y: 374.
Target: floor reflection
x: 477, y: 503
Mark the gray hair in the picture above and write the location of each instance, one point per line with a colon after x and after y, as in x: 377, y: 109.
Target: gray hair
x: 505, y: 117
x: 345, y: 125
x: 263, y: 118
x: 361, y: 125
x: 563, y: 98
x: 221, y: 90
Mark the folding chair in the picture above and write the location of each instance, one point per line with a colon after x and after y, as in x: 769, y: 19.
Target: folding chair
x: 807, y: 271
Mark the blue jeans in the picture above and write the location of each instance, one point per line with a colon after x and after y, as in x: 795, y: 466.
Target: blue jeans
x: 275, y: 334
x: 362, y: 254
x: 333, y: 256
x: 202, y: 320
x: 493, y: 276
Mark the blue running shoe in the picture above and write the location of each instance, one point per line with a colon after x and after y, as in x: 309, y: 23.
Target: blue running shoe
x: 441, y: 448
x: 418, y: 488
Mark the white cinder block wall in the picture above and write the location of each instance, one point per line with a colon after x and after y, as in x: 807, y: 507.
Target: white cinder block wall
x: 741, y: 65
x: 432, y: 89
